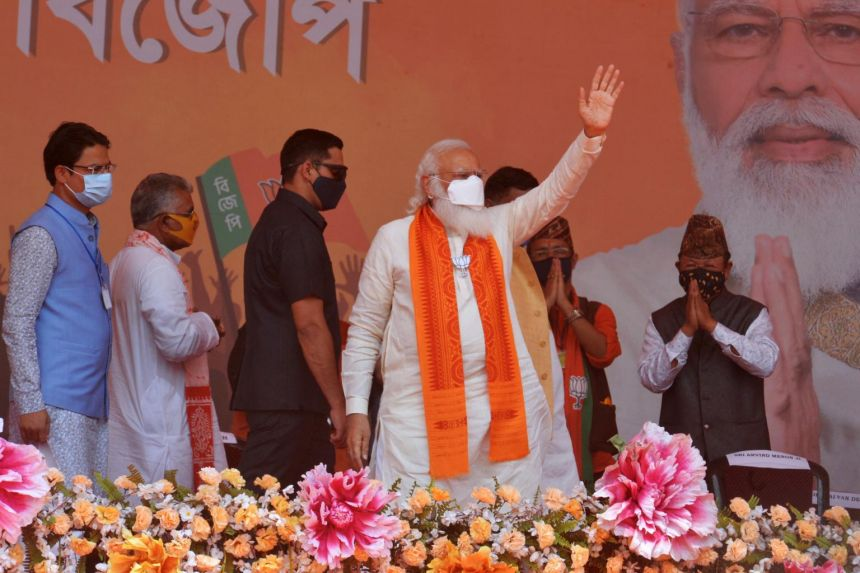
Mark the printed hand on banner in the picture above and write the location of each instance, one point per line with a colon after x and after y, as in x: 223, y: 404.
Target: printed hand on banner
x: 793, y: 417
x: 596, y: 109
x: 351, y: 270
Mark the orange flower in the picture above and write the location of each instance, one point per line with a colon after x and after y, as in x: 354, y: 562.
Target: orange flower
x: 779, y: 515
x: 838, y: 515
x: 749, y: 531
x: 513, y: 542
x: 208, y: 494
x: 484, y: 495
x: 267, y: 539
x: 233, y: 477
x: 441, y: 548
x: 736, y: 550
x: 220, y: 518
x: 838, y: 553
x: 706, y: 557
x: 247, y: 518
x: 141, y: 553
x: 17, y: 553
x: 82, y: 482
x: 122, y: 482
x: 62, y: 524
x: 480, y: 530
x: 439, y: 494
x: 779, y: 550
x: 854, y: 542
x: 545, y: 534
x: 556, y: 565
x: 578, y: 556
x: 414, y: 555
x: 40, y: 567
x: 806, y: 530
x: 360, y: 555
x: 574, y: 509
x: 268, y: 564
x: 509, y: 493
x: 554, y: 499
x: 178, y: 547
x: 281, y: 505
x: 209, y: 476
x: 200, y: 529
x: 289, y: 529
x: 464, y: 544
x: 83, y: 512
x: 616, y: 563
x: 740, y: 507
x: 206, y: 563
x: 239, y: 547
x: 165, y: 486
x: 419, y: 500
x: 168, y: 518
x: 142, y: 518
x: 81, y: 546
x: 601, y: 536
x: 107, y: 515
x: 55, y: 476
x: 267, y: 482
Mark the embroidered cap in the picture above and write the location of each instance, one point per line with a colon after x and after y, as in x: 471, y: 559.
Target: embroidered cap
x: 704, y: 238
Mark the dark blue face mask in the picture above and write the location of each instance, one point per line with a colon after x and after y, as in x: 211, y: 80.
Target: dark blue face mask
x: 329, y: 191
x: 543, y: 267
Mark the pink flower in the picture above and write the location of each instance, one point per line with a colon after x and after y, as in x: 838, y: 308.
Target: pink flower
x: 344, y: 515
x: 658, y: 497
x: 23, y: 486
x: 829, y: 567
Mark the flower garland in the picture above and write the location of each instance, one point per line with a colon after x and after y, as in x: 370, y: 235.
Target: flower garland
x: 643, y: 518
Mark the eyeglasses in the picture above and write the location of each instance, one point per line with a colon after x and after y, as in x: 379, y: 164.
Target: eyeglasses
x: 96, y: 169
x: 743, y: 32
x: 337, y: 171
x: 459, y: 175
x: 556, y: 253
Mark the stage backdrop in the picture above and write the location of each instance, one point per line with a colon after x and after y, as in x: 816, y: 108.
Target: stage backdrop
x: 210, y: 90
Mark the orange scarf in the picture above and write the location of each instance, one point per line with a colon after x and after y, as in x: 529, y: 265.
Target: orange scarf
x: 440, y: 354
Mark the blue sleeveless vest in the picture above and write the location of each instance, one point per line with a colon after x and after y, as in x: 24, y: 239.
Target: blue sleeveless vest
x: 73, y: 329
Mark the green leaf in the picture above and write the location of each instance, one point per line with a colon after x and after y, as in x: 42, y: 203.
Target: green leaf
x: 795, y: 512
x: 754, y: 501
x: 112, y: 491
x: 618, y: 443
x: 134, y: 475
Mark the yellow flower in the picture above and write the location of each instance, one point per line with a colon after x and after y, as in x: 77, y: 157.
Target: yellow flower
x: 267, y: 482
x: 706, y: 557
x: 484, y: 495
x: 807, y: 530
x: 574, y: 509
x: 200, y: 529
x: 220, y: 518
x: 62, y: 524
x: 233, y: 477
x: 736, y: 550
x: 838, y: 515
x: 439, y: 494
x: 81, y: 546
x: 205, y: 563
x: 239, y: 547
x: 107, y: 515
x: 555, y: 564
x: 122, y: 482
x: 141, y: 553
x: 554, y: 499
x: 509, y: 494
x: 142, y: 518
x: 281, y: 505
x: 749, y: 531
x: 545, y: 534
x: 267, y: 539
x: 178, y: 547
x: 210, y: 476
x: 615, y: 564
x: 268, y: 564
x: 779, y: 515
x: 480, y: 530
x: 578, y: 556
x: 414, y: 555
x: 779, y: 550
x: 419, y: 500
x: 168, y: 518
x: 838, y: 553
x: 247, y: 518
x: 740, y: 507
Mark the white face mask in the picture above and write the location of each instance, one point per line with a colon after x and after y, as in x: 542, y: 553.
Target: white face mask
x: 467, y: 192
x: 97, y: 189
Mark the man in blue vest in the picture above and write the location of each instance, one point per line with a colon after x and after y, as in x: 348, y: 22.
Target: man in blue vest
x: 57, y: 325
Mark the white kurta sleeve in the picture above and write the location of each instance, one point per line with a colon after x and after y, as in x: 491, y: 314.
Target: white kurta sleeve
x: 756, y: 351
x: 368, y: 320
x: 660, y: 362
x: 178, y: 334
x: 536, y: 208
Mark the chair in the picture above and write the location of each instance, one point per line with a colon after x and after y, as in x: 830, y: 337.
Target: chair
x: 773, y: 477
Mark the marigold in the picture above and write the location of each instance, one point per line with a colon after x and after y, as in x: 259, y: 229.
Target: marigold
x: 394, y: 569
x: 55, y: 476
x: 122, y: 482
x: 513, y: 542
x: 574, y: 509
x: 165, y: 486
x: 440, y: 494
x: 555, y: 564
x: 239, y: 547
x: 668, y: 567
x: 360, y: 555
x: 81, y: 546
x: 480, y: 530
x: 740, y: 507
x: 735, y: 569
x: 509, y: 494
x: 281, y: 505
x: 82, y: 482
x: 441, y: 548
x: 736, y: 550
x: 854, y: 542
x: 464, y: 544
x: 484, y: 495
x: 706, y: 557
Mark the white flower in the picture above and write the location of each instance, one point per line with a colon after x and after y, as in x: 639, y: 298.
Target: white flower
x: 449, y: 518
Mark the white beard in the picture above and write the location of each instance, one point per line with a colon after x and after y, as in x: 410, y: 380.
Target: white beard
x: 816, y: 204
x: 461, y: 220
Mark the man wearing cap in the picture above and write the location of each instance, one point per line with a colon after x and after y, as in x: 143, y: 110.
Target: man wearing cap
x: 708, y: 352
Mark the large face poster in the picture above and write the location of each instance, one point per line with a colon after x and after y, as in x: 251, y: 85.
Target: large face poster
x: 747, y: 110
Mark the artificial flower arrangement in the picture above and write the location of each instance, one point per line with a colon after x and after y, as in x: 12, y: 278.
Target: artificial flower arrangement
x: 650, y: 513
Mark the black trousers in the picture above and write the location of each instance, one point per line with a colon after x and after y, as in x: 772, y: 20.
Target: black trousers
x: 285, y: 444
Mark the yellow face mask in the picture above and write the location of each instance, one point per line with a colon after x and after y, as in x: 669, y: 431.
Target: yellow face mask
x: 189, y: 227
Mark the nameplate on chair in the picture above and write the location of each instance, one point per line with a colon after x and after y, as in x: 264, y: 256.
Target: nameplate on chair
x: 228, y: 438
x: 767, y: 459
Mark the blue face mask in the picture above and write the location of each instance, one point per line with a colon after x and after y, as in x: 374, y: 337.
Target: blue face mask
x: 97, y: 188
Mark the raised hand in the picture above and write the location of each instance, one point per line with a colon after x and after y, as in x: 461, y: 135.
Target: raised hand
x: 596, y: 109
x: 550, y: 289
x: 793, y: 417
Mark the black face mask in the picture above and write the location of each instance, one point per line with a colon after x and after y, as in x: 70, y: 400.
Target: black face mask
x: 711, y: 283
x: 543, y: 267
x: 329, y: 191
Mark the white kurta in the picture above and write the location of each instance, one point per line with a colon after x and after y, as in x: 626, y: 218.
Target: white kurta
x: 382, y: 325
x: 153, y: 334
x: 637, y: 280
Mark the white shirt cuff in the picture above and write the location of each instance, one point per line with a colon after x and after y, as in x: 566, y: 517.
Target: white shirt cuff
x: 356, y: 405
x: 592, y: 145
x: 677, y: 347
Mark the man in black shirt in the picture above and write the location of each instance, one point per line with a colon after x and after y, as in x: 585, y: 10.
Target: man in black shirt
x: 289, y: 383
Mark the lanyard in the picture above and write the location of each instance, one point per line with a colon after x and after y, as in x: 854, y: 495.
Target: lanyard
x: 83, y: 243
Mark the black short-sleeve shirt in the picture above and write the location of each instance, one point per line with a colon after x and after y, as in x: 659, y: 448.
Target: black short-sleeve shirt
x: 286, y: 260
